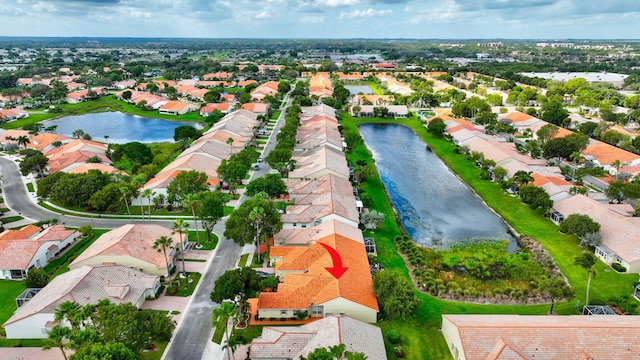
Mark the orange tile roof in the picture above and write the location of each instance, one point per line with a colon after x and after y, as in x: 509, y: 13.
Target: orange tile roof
x: 174, y: 105
x: 544, y: 336
x: 317, y: 285
x: 517, y: 116
x: 21, y: 234
x: 41, y: 141
x: 606, y: 154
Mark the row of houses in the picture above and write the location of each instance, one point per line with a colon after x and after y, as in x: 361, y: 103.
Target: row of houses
x: 324, y: 212
x: 207, y: 152
x: 121, y: 266
x: 320, y: 85
x: 618, y: 225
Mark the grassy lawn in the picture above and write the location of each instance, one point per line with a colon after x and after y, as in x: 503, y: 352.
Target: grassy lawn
x: 9, y: 290
x: 184, y: 286
x: 376, y: 89
x: 206, y: 245
x: 422, y: 338
x: 61, y: 264
x: 155, y: 354
x: 243, y: 260
x: 10, y: 219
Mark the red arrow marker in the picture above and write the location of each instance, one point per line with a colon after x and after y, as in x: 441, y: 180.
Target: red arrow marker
x: 337, y: 270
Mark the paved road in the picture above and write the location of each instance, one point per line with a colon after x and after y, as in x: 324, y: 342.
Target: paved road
x: 20, y: 201
x: 191, y: 338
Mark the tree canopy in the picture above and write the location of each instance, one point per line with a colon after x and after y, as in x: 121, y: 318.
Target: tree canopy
x: 272, y: 184
x: 396, y: 295
x: 579, y: 225
x: 185, y: 183
x: 242, y: 231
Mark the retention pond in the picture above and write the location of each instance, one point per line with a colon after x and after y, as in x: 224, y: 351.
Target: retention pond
x: 434, y: 206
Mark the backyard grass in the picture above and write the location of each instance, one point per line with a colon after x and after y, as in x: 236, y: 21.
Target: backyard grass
x: 9, y: 290
x: 422, y: 337
x: 61, y: 265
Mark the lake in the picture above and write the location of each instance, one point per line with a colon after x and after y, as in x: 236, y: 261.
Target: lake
x: 121, y: 128
x: 434, y: 206
x: 356, y: 89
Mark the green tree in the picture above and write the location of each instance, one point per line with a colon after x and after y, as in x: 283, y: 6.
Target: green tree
x: 23, y: 140
x: 104, y: 351
x: 579, y: 225
x: 372, y: 219
x: 565, y: 146
x: 546, y: 133
x: 277, y: 158
x: 615, y: 191
x: 396, y: 295
x: 266, y: 221
x: 36, y: 278
x: 69, y: 311
x: 185, y: 183
x: 272, y: 184
x: 126, y: 196
x: 553, y: 112
x: 212, y: 96
x: 148, y: 194
x: 34, y: 161
x: 535, y: 197
x: 587, y: 261
x: 191, y: 202
x: 237, y: 286
x: 161, y: 245
x: 107, y: 199
x: 499, y: 173
x: 437, y: 127
x: 210, y: 210
x: 180, y: 226
x: 58, y: 337
x: 522, y: 177
x: 225, y: 311
x: 134, y: 151
x: 185, y: 132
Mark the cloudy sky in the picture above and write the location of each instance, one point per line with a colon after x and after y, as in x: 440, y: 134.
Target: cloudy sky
x: 444, y: 19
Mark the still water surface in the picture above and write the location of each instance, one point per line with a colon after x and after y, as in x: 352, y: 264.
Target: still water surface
x: 435, y: 207
x: 121, y: 128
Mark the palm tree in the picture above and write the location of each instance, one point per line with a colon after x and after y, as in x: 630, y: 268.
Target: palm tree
x: 126, y: 192
x: 257, y: 216
x: 180, y: 227
x: 587, y: 261
x: 225, y: 311
x: 230, y: 142
x: 23, y: 141
x: 161, y: 244
x: 191, y: 202
x: 69, y: 311
x: 58, y: 337
x: 148, y: 193
x: 616, y: 164
x: 522, y: 177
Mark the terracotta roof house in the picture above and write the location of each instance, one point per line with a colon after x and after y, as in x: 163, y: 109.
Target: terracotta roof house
x: 81, y: 95
x: 131, y: 245
x: 379, y: 66
x: 8, y: 137
x: 308, y: 236
x: 367, y: 111
x: 308, y: 286
x: 29, y: 248
x: 45, y: 141
x: 349, y: 76
x: 194, y: 161
x: 221, y: 75
x: 317, y: 110
x: 620, y: 242
x: 262, y: 68
x: 124, y: 84
x: 13, y: 114
x: 178, y: 108
x: 319, y: 161
x: 278, y: 342
x: 210, y: 107
x: 258, y: 108
x: 229, y: 98
x: 373, y: 99
x: 186, y: 89
x: 605, y: 155
x: 86, y: 167
x: 321, y: 85
x: 543, y: 337
x: 244, y: 83
x: 197, y: 95
x: 268, y: 88
x: 83, y: 285
x: 74, y: 154
x: 321, y: 199
x: 310, y: 136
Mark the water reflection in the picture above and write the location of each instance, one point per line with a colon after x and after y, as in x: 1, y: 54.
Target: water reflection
x: 435, y: 207
x: 119, y: 127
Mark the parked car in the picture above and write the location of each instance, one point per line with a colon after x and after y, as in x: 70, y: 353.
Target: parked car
x: 263, y: 274
x: 256, y: 167
x: 260, y: 159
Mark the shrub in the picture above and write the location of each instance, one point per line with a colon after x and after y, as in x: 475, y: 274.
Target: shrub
x: 394, y: 337
x: 619, y: 268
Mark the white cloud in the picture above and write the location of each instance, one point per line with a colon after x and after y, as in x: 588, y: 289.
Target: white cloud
x: 263, y: 15
x: 311, y: 19
x: 365, y: 13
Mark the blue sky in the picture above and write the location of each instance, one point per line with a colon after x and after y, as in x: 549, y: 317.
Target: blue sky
x: 444, y: 19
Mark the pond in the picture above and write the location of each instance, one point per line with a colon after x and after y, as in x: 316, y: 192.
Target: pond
x: 121, y: 128
x: 357, y: 89
x: 434, y: 206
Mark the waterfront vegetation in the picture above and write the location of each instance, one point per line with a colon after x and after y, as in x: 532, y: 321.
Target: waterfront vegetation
x: 422, y: 338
